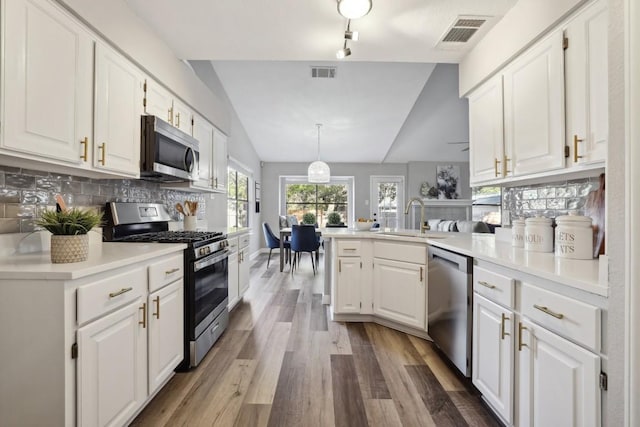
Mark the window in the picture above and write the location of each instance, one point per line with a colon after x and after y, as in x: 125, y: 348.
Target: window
x: 300, y: 198
x: 237, y: 199
x: 487, y: 204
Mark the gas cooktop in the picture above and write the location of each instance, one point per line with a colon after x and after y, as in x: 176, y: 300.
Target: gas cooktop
x: 175, y: 237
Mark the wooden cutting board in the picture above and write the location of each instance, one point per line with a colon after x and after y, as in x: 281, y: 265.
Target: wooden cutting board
x: 595, y: 208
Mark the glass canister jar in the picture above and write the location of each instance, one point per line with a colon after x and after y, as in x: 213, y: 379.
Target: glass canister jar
x: 574, y: 237
x: 538, y: 234
x: 517, y: 233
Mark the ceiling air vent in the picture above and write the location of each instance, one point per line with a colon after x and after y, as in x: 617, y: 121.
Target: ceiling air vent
x: 323, y: 72
x: 463, y: 29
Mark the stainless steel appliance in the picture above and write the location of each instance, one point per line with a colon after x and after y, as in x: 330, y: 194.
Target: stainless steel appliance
x: 206, y: 265
x: 450, y: 305
x: 167, y: 153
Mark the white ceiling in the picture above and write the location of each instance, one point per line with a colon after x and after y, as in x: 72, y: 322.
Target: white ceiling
x: 262, y: 52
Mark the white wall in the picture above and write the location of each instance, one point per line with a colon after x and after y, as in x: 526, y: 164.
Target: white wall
x: 522, y: 24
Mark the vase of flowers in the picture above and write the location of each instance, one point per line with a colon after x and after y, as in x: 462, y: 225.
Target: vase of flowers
x: 69, y: 228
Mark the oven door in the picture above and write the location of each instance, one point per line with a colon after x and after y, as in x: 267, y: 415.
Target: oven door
x: 209, y: 291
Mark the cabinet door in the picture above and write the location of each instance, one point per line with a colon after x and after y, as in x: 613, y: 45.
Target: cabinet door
x: 534, y: 109
x: 234, y: 282
x: 243, y: 271
x: 348, y: 285
x: 47, y: 82
x: 486, y: 132
x: 166, y: 332
x: 219, y: 161
x: 203, y: 132
x: 587, y: 97
x: 118, y: 108
x: 158, y: 101
x: 182, y: 117
x: 399, y: 292
x: 558, y: 381
x: 112, y: 367
x: 493, y: 355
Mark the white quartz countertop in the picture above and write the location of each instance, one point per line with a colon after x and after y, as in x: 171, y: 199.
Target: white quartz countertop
x: 581, y: 274
x: 102, y: 257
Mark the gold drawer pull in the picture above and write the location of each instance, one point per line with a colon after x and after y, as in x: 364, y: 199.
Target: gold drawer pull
x: 143, y: 322
x: 576, y: 140
x: 170, y: 115
x: 520, y: 343
x: 349, y: 249
x: 495, y: 166
x: 85, y: 147
x: 177, y: 119
x: 120, y: 292
x: 103, y: 152
x: 421, y: 274
x: 505, y: 170
x: 547, y: 311
x: 486, y: 285
x: 157, y: 301
x: 502, y: 331
x: 173, y: 270
x: 339, y: 266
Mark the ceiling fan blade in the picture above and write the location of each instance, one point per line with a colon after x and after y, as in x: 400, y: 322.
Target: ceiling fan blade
x: 465, y: 149
x: 458, y: 142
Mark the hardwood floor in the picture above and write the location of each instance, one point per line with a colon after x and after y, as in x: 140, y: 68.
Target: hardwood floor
x: 281, y: 362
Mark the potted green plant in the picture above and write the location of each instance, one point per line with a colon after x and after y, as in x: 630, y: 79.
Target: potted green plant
x: 333, y: 218
x: 69, y: 228
x: 309, y: 218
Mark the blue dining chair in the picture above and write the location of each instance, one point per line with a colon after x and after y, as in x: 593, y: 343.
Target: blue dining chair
x: 273, y: 242
x: 303, y: 239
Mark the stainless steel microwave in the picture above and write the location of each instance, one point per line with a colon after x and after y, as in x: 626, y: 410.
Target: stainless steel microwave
x: 167, y: 153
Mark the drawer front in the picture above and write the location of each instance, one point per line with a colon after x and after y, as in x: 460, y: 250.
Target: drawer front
x: 166, y: 271
x: 416, y: 254
x: 349, y: 247
x: 100, y: 297
x: 233, y: 244
x: 244, y: 240
x: 494, y: 286
x: 573, y: 319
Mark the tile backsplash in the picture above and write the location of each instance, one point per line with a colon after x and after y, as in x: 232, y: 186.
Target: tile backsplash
x: 25, y: 193
x: 549, y: 200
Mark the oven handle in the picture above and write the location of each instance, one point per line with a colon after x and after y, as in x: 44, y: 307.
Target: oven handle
x: 206, y: 262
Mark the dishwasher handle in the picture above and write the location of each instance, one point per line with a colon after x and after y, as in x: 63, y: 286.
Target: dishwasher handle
x: 461, y: 262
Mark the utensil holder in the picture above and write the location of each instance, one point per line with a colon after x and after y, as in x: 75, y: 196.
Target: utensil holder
x: 190, y: 223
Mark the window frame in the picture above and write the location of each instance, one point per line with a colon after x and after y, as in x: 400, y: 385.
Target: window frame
x: 236, y: 200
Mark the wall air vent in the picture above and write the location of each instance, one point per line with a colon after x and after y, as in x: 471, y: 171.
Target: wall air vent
x: 323, y: 72
x: 461, y: 31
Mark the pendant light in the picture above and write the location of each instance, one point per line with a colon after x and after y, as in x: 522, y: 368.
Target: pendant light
x: 354, y: 9
x: 319, y: 171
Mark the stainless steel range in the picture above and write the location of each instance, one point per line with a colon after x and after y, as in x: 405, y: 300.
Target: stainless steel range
x: 206, y: 282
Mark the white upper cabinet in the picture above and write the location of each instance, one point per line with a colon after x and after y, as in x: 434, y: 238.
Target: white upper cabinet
x: 158, y: 101
x: 118, y: 107
x: 586, y: 80
x: 534, y: 109
x: 47, y: 83
x: 486, y: 133
x: 219, y: 161
x: 203, y: 132
x: 182, y: 117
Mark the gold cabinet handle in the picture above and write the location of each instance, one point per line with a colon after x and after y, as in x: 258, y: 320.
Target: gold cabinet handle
x: 503, y: 333
x: 178, y: 120
x: 349, y: 249
x: 421, y: 274
x: 547, y: 311
x: 496, y: 162
x: 170, y: 115
x: 157, y: 301
x: 120, y: 292
x: 173, y: 270
x: 103, y: 152
x: 576, y: 140
x: 143, y: 322
x: 85, y: 148
x: 486, y: 285
x: 215, y: 180
x: 339, y: 266
x: 505, y: 171
x: 520, y: 343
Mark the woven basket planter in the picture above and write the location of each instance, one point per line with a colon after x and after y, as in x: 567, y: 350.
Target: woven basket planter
x: 66, y: 249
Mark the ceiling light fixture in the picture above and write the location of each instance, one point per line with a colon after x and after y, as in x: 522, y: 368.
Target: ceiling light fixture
x: 354, y: 9
x: 344, y: 52
x: 351, y: 35
x: 318, y: 171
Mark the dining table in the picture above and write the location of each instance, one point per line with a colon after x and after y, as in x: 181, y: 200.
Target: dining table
x: 286, y: 232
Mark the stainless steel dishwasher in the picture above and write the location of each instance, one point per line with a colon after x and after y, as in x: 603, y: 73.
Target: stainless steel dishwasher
x: 450, y: 305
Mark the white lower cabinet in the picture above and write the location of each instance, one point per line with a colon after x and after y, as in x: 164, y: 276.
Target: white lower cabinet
x: 558, y: 380
x: 244, y: 264
x: 239, y: 268
x: 492, y: 370
x: 399, y: 292
x: 112, y: 367
x: 166, y: 331
x: 234, y: 290
x: 348, y: 285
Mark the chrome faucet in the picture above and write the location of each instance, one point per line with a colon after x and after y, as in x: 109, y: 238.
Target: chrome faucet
x: 423, y: 227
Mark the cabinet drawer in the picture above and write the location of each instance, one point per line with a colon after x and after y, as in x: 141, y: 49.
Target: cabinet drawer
x: 416, y: 254
x: 349, y: 247
x: 233, y: 244
x: 166, y: 271
x: 494, y: 286
x: 575, y: 320
x: 100, y: 297
x: 244, y: 241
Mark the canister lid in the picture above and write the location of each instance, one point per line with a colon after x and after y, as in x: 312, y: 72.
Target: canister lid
x: 518, y: 222
x: 578, y: 220
x: 538, y: 220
